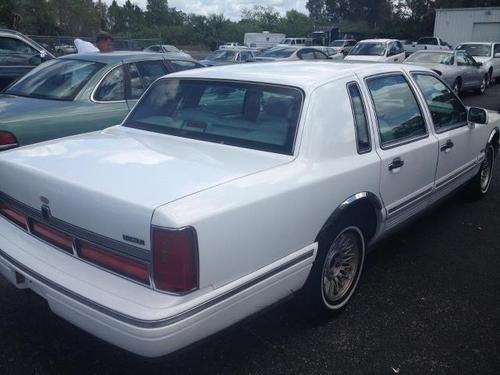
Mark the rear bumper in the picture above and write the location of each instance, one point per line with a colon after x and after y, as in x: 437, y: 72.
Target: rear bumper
x: 130, y: 316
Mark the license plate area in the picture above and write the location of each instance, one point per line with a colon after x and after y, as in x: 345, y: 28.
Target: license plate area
x: 14, y: 277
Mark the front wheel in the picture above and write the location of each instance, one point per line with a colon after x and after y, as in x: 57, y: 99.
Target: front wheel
x: 480, y: 184
x: 482, y: 86
x: 336, y: 271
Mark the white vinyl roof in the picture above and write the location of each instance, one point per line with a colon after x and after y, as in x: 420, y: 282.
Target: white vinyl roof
x: 303, y: 74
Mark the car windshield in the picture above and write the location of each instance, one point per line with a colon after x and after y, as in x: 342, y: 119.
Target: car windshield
x: 369, y: 49
x: 250, y: 115
x: 286, y: 41
x: 432, y: 41
x: 338, y: 43
x: 431, y: 58
x: 476, y: 49
x: 279, y: 52
x: 56, y: 79
x: 222, y: 55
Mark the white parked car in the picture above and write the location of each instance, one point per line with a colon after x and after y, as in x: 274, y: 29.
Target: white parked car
x: 227, y: 189
x: 486, y: 53
x: 377, y: 50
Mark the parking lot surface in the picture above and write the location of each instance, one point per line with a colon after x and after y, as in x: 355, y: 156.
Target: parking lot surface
x: 428, y: 303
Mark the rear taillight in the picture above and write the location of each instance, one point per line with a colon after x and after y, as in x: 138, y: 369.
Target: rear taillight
x: 13, y: 215
x: 55, y: 237
x: 134, y: 269
x: 175, y: 260
x: 7, y: 140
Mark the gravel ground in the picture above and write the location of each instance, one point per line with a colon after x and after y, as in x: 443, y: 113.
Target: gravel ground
x: 428, y: 303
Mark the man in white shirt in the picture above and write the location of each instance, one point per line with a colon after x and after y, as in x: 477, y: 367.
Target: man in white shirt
x: 103, y: 43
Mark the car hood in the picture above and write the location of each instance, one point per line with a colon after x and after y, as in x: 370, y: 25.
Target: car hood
x: 110, y: 182
x: 433, y: 66
x: 364, y: 58
x: 482, y: 59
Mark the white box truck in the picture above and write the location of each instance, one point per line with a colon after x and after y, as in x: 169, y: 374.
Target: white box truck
x: 263, y: 40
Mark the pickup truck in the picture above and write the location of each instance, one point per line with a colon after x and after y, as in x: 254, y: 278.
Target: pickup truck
x: 226, y: 190
x: 429, y: 42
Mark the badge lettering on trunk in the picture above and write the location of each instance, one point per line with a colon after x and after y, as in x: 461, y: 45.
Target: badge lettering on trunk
x: 137, y: 241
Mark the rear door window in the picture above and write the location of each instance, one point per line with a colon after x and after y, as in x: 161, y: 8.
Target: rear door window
x: 112, y: 88
x: 399, y: 116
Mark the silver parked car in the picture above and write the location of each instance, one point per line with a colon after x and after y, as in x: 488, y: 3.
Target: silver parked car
x: 168, y: 48
x: 281, y: 53
x: 229, y: 56
x: 486, y: 53
x: 457, y: 68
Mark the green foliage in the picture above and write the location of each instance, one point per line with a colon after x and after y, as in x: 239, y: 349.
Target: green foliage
x: 399, y: 18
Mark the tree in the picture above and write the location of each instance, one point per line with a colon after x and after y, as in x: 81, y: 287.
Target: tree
x: 157, y: 12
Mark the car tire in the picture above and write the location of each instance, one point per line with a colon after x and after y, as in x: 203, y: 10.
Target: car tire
x: 480, y: 184
x: 491, y: 80
x: 457, y: 86
x: 482, y: 87
x: 336, y: 272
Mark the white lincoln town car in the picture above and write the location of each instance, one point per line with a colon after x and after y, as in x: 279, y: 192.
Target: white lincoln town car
x: 228, y: 189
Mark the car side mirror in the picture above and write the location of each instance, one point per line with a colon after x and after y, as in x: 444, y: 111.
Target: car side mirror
x: 36, y: 60
x: 477, y: 115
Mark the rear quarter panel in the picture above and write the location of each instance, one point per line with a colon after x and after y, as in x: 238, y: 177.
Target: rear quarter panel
x: 251, y: 222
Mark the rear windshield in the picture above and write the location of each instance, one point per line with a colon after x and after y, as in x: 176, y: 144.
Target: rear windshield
x: 250, y: 115
x: 369, y: 49
x: 55, y: 79
x: 432, y: 41
x: 222, y: 55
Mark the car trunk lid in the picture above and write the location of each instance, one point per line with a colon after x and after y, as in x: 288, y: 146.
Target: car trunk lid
x: 110, y: 182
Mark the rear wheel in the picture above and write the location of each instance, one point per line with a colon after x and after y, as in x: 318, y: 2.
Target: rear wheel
x: 336, y: 271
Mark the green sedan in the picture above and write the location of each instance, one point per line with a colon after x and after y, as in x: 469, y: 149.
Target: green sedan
x: 79, y: 93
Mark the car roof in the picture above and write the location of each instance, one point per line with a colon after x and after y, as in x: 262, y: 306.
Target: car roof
x: 113, y: 57
x: 303, y: 74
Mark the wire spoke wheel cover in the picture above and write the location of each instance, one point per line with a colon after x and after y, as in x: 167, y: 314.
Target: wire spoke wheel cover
x: 342, y: 267
x: 486, y: 169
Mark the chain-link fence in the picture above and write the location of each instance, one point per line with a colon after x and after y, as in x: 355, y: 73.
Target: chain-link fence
x: 63, y: 45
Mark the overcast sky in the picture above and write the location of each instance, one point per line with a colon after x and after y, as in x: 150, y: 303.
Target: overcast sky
x: 230, y: 8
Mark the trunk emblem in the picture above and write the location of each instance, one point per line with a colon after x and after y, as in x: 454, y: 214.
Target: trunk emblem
x: 46, y: 212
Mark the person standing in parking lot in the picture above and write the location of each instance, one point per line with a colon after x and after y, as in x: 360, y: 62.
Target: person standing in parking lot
x: 103, y: 43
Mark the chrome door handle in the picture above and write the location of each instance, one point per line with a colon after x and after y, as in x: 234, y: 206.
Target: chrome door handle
x: 396, y: 164
x: 447, y: 146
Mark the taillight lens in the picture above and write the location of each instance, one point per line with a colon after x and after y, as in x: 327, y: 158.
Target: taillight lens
x: 55, y: 237
x: 134, y: 269
x: 175, y: 260
x: 7, y: 140
x: 13, y: 215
